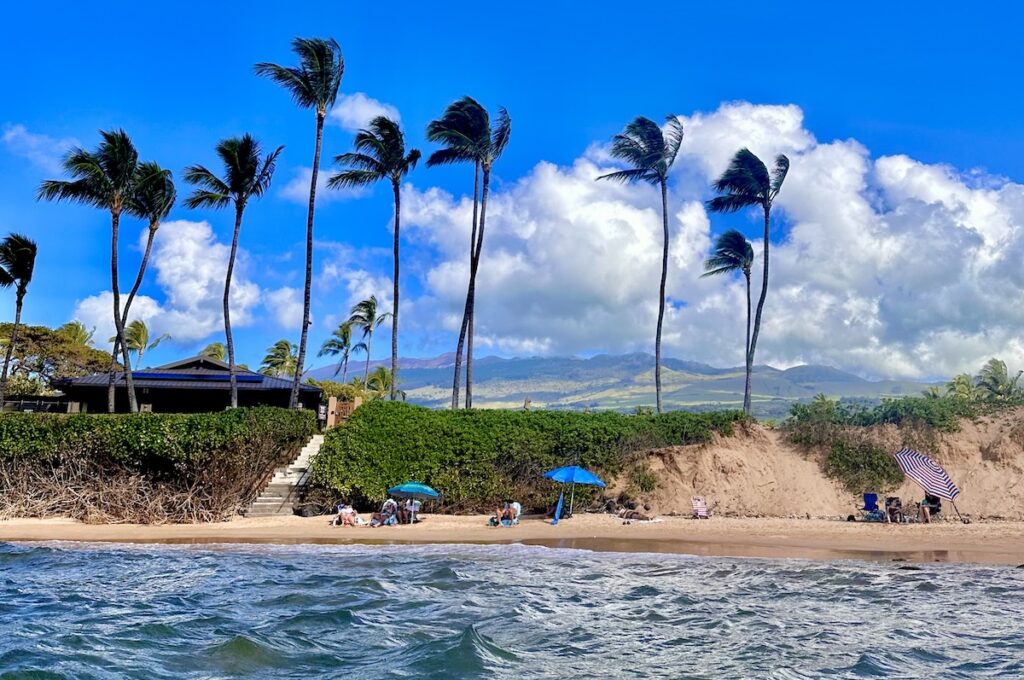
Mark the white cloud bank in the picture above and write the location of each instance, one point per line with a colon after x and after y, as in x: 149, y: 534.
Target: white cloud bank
x: 354, y: 111
x: 887, y: 266
x: 41, y: 150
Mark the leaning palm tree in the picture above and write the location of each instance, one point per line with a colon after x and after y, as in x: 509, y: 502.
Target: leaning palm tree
x: 995, y: 384
x: 17, y: 262
x: 340, y: 345
x: 466, y: 132
x: 136, y: 337
x: 651, y: 151
x: 215, y: 350
x: 313, y: 84
x: 280, y: 360
x: 107, y: 178
x: 364, y: 316
x: 745, y: 183
x: 962, y: 387
x: 153, y: 199
x: 733, y: 253
x: 380, y: 155
x: 381, y: 384
x: 76, y: 333
x: 247, y: 175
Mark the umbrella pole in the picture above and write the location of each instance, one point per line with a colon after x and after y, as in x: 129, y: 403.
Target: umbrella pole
x: 572, y: 498
x: 965, y: 521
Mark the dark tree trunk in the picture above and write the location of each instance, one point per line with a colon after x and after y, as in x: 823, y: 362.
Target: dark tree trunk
x: 232, y: 371
x: 153, y: 227
x: 344, y: 370
x: 366, y: 373
x: 661, y: 295
x: 764, y: 294
x: 133, y: 406
x: 746, y: 353
x: 465, y: 316
x: 394, y: 311
x: 300, y: 360
x: 10, y: 343
x: 471, y: 297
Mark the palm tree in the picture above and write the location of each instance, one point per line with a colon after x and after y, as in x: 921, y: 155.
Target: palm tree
x: 17, y: 262
x: 381, y: 384
x: 313, y: 84
x: 380, y: 154
x: 106, y: 178
x: 340, y: 345
x: 995, y: 384
x: 215, y: 350
x: 651, y: 151
x: 733, y: 253
x: 247, y: 176
x: 136, y: 337
x: 466, y: 132
x: 962, y: 387
x: 76, y: 333
x: 153, y: 199
x: 745, y: 183
x: 280, y: 360
x: 364, y: 316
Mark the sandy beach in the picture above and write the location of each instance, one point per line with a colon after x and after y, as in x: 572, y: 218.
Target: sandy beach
x: 990, y: 543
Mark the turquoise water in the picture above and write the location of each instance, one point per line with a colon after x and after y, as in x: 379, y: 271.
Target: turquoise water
x: 494, y: 611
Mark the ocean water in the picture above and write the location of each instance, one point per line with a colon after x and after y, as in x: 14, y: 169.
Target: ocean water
x: 73, y: 611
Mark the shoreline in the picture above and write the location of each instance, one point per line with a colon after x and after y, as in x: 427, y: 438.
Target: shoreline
x: 982, y: 543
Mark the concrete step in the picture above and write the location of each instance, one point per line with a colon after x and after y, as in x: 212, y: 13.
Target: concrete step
x: 282, y: 489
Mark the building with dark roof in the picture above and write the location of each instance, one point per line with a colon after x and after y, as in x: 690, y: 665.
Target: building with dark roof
x: 196, y: 385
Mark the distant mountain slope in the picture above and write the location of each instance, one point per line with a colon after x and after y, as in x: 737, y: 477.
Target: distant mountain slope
x: 626, y: 381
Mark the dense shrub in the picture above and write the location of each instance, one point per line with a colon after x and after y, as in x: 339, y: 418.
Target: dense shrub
x: 862, y: 466
x: 211, y: 462
x: 474, y: 457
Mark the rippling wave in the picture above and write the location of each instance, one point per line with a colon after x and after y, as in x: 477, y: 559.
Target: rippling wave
x: 494, y: 611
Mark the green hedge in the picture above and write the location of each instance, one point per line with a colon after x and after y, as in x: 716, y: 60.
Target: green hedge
x: 150, y: 442
x: 475, y: 457
x: 862, y: 466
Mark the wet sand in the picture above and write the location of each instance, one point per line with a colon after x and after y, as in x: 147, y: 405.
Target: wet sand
x: 990, y: 543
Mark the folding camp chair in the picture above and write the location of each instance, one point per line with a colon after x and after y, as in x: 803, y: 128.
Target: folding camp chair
x: 700, y: 508
x: 872, y: 513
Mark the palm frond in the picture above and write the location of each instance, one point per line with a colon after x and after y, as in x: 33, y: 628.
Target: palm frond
x: 632, y: 175
x: 731, y: 203
x: 315, y: 83
x: 501, y: 133
x: 779, y: 174
x: 353, y: 178
x: 746, y: 178
x: 154, y: 194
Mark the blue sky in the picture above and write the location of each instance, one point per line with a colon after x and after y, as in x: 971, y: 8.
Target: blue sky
x: 893, y: 80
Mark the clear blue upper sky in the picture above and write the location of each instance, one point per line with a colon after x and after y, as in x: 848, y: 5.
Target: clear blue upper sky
x: 937, y: 81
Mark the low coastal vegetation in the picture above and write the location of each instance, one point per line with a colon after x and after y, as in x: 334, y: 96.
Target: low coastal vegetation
x: 479, y: 456
x: 144, y: 468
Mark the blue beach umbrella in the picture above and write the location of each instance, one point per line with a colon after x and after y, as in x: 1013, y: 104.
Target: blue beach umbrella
x: 573, y: 474
x: 413, y: 490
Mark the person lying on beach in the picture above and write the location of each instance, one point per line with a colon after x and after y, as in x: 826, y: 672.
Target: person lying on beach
x: 346, y: 516
x: 388, y: 515
x: 626, y: 513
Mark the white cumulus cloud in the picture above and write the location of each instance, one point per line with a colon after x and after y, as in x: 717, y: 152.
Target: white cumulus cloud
x: 296, y: 189
x: 41, y: 150
x: 354, y: 111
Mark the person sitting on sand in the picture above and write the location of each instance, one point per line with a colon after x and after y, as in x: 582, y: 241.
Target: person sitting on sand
x: 346, y: 515
x: 388, y: 515
x: 632, y: 515
x: 930, y: 507
x: 507, y: 514
x: 412, y: 508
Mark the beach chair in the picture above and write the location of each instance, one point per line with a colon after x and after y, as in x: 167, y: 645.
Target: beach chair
x: 871, y: 511
x: 700, y: 508
x: 894, y: 510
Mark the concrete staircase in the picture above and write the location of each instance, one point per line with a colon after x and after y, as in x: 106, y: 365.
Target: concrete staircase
x: 281, y: 492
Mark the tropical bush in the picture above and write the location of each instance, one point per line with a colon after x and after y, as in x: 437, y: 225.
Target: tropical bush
x: 143, y: 467
x: 474, y: 457
x: 862, y: 466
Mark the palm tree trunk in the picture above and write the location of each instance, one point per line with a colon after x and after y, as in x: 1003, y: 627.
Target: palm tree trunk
x: 294, y: 403
x: 128, y: 302
x: 661, y: 294
x: 465, y: 316
x: 764, y: 293
x: 133, y: 406
x: 366, y: 373
x: 471, y: 297
x: 394, y: 311
x: 344, y: 370
x: 10, y: 344
x: 232, y: 371
x: 746, y: 353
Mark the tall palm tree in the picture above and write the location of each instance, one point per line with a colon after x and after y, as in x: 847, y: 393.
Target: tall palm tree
x: 745, y: 183
x: 76, y: 332
x: 733, y: 253
x: 280, y: 360
x: 106, y: 178
x: 215, y: 350
x: 380, y: 155
x: 380, y: 383
x: 466, y: 132
x: 364, y: 316
x: 339, y: 345
x: 153, y: 199
x: 651, y: 152
x: 313, y: 84
x: 247, y: 175
x: 962, y: 387
x: 17, y: 262
x: 995, y: 384
x: 136, y: 337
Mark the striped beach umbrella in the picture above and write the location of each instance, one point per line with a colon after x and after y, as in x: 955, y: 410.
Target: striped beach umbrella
x: 929, y: 475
